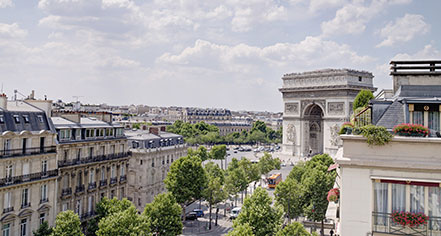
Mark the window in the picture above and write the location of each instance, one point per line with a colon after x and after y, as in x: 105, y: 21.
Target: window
x: 7, y: 146
x: 26, y: 118
x: 40, y: 118
x: 380, y: 201
x: 91, y: 176
x: 416, y: 198
x: 2, y: 119
x: 25, y: 197
x: 24, y: 145
x: 23, y: 227
x: 79, y: 153
x: 123, y: 194
x: 123, y: 172
x: 7, y: 200
x: 26, y: 169
x: 112, y: 172
x: 44, y: 166
x: 103, y: 173
x: 66, y: 154
x: 91, y: 152
x: 43, y: 192
x: 418, y: 117
x: 398, y: 197
x: 65, y: 207
x: 103, y: 150
x: 112, y: 194
x: 140, y: 162
x: 78, y: 207
x: 9, y: 171
x: 434, y: 120
x: 42, y: 218
x: 90, y: 204
x: 16, y: 119
x: 6, y: 229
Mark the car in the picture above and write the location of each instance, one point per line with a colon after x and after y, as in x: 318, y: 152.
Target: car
x: 191, y: 216
x: 235, y: 212
x: 235, y: 151
x: 199, y: 212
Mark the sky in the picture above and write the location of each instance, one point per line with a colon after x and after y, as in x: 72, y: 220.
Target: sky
x: 215, y: 54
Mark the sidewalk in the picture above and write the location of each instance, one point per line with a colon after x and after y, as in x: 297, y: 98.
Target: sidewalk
x: 200, y: 226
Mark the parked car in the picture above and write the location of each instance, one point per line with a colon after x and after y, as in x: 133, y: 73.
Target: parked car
x: 199, y: 212
x: 235, y: 212
x: 191, y: 216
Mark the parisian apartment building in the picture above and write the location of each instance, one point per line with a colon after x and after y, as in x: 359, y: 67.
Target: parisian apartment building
x: 92, y: 160
x: 153, y: 151
x: 28, y: 173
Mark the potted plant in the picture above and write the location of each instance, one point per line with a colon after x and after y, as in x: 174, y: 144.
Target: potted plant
x: 333, y: 195
x: 414, y: 130
x: 346, y: 128
x: 409, y: 219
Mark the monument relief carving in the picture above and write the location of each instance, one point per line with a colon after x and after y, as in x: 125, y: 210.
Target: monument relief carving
x: 336, y: 107
x: 292, y: 108
x: 291, y: 134
x: 334, y: 135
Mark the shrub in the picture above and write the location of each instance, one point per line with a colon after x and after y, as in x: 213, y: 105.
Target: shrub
x: 344, y: 128
x: 411, y: 130
x: 362, y: 99
x: 375, y: 135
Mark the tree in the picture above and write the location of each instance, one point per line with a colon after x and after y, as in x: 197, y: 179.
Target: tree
x: 235, y: 181
x: 251, y: 171
x: 67, y: 223
x: 289, y: 195
x: 257, y: 136
x: 317, y: 183
x: 214, y: 171
x: 294, y: 229
x: 185, y: 180
x: 219, y: 152
x: 362, y: 99
x: 105, y: 208
x: 259, y: 125
x: 127, y: 222
x: 164, y: 215
x: 201, y: 152
x: 259, y: 214
x: 297, y: 171
x: 43, y: 230
x: 267, y: 163
x: 214, y: 194
x: 241, y: 230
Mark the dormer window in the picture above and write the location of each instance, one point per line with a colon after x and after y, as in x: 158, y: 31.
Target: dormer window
x: 26, y: 118
x: 360, y: 78
x: 40, y: 118
x: 17, y: 119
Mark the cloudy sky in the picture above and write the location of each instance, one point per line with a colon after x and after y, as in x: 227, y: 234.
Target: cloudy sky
x: 229, y: 53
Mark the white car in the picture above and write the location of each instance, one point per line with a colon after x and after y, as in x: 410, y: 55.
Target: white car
x: 235, y: 212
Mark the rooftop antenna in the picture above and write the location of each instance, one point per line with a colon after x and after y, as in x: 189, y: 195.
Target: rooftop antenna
x: 15, y: 94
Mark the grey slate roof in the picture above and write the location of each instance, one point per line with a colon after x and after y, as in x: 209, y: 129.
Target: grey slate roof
x: 29, y: 118
x: 392, y: 116
x: 419, y: 91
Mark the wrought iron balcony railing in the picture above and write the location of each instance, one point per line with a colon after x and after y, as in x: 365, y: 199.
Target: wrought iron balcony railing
x: 66, y: 192
x: 91, y: 186
x: 383, y: 223
x: 123, y: 178
x: 6, y: 153
x: 25, y: 205
x: 27, y: 178
x: 103, y: 183
x: 113, y: 180
x: 79, y: 189
x: 8, y: 209
x: 44, y: 200
x: 86, y: 160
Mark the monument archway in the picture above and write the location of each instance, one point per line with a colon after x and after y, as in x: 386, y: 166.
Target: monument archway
x: 314, y: 120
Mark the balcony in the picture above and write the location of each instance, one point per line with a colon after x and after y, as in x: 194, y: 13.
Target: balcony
x: 123, y: 179
x: 86, y: 160
x: 66, y: 192
x: 44, y: 200
x: 103, y: 183
x: 91, y: 186
x: 113, y: 180
x: 25, y: 205
x: 27, y: 151
x: 79, y: 189
x: 9, y: 209
x: 383, y: 223
x: 27, y: 178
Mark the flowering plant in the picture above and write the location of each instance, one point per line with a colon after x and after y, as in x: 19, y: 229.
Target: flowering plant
x: 409, y: 218
x: 411, y: 130
x: 333, y: 195
x: 345, y: 126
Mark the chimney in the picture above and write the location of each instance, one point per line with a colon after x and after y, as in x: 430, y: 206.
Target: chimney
x: 154, y: 130
x: 45, y: 105
x: 32, y: 96
x: 3, y: 101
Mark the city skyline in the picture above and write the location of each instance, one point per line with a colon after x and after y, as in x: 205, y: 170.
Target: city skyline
x: 202, y: 54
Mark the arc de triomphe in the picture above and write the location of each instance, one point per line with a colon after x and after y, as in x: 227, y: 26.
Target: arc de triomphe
x: 316, y: 104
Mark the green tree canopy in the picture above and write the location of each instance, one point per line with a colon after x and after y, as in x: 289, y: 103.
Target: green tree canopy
x: 241, y: 230
x: 259, y: 125
x: 124, y: 223
x: 362, y: 99
x: 297, y: 171
x: 201, y: 152
x: 67, y: 223
x: 214, y: 171
x: 293, y: 229
x: 164, y: 215
x: 289, y: 195
x: 43, y: 230
x: 259, y: 214
x: 218, y: 152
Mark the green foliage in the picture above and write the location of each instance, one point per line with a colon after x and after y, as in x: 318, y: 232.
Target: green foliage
x: 136, y: 126
x: 218, y: 152
x: 201, y: 152
x: 320, y: 159
x: 214, y: 192
x: 108, y: 206
x: 316, y: 184
x: 260, y: 126
x: 67, y: 223
x: 297, y: 171
x: 241, y: 230
x: 259, y: 214
x: 345, y: 127
x: 267, y: 163
x: 164, y: 215
x: 235, y: 180
x: 43, y: 230
x: 127, y: 222
x: 376, y: 135
x: 252, y: 171
x: 362, y: 99
x: 186, y: 178
x: 214, y: 171
x: 288, y: 195
x: 294, y: 229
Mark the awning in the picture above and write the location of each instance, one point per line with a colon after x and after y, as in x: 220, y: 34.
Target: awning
x: 333, y: 167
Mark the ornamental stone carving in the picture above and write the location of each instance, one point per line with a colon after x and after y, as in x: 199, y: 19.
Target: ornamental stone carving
x: 292, y: 108
x: 291, y: 134
x: 334, y: 135
x: 336, y: 108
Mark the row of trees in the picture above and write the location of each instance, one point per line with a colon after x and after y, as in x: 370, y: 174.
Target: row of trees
x: 303, y: 193
x: 120, y: 217
x: 203, y: 133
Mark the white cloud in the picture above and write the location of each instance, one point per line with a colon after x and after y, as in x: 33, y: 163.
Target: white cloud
x: 5, y: 3
x: 11, y: 31
x: 353, y: 18
x: 403, y: 29
x: 429, y: 52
